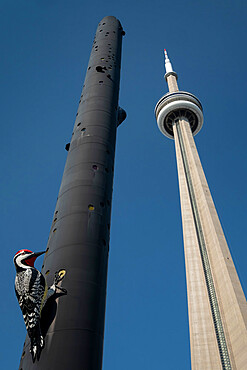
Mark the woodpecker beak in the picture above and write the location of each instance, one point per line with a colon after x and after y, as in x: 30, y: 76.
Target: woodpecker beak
x: 32, y: 257
x: 37, y: 254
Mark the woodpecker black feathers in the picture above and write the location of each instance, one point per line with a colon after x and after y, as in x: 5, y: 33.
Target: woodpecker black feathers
x: 32, y: 294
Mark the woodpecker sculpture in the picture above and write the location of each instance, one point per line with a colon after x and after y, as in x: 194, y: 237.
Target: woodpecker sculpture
x: 32, y: 293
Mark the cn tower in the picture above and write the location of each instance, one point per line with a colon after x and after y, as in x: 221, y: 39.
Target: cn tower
x: 216, y: 303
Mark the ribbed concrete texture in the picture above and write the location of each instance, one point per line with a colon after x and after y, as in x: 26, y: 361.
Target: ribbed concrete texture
x: 204, y: 348
x: 230, y: 296
x: 172, y: 83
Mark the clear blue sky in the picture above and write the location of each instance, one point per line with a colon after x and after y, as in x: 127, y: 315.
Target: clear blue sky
x: 45, y: 46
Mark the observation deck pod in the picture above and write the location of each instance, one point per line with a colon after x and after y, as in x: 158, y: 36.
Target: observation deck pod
x: 178, y: 104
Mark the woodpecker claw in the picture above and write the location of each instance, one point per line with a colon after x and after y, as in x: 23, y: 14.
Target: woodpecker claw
x: 59, y: 275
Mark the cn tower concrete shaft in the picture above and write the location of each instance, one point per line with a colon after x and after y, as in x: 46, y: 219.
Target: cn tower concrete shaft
x: 216, y: 302
x: 73, y: 324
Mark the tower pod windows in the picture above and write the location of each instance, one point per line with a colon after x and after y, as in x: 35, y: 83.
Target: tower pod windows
x: 169, y: 107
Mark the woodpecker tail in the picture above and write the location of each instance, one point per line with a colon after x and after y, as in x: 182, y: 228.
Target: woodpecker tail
x: 37, y: 342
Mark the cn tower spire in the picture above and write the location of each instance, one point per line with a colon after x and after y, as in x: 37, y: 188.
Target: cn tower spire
x: 170, y: 76
x: 216, y: 303
x: 168, y: 65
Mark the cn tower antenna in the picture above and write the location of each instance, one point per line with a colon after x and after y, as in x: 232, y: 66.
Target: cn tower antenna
x: 172, y: 82
x: 168, y: 65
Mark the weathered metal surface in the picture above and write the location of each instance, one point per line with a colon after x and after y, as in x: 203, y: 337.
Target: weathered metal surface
x: 73, y: 324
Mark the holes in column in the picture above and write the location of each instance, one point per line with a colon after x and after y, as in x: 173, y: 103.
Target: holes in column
x: 56, y: 212
x: 78, y: 124
x: 100, y: 30
x: 47, y: 250
x: 102, y: 58
x: 91, y: 207
x: 100, y: 69
x: 100, y: 82
x: 55, y: 219
x: 95, y: 167
x: 83, y: 129
x: 47, y: 272
x: 23, y: 354
x: 89, y: 68
x: 54, y: 230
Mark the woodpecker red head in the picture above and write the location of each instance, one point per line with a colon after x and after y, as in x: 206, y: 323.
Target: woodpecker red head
x: 25, y: 258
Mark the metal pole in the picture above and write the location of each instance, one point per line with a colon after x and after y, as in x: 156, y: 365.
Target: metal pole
x: 73, y: 324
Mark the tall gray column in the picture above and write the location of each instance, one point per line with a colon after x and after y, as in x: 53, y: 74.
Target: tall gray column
x: 73, y: 324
